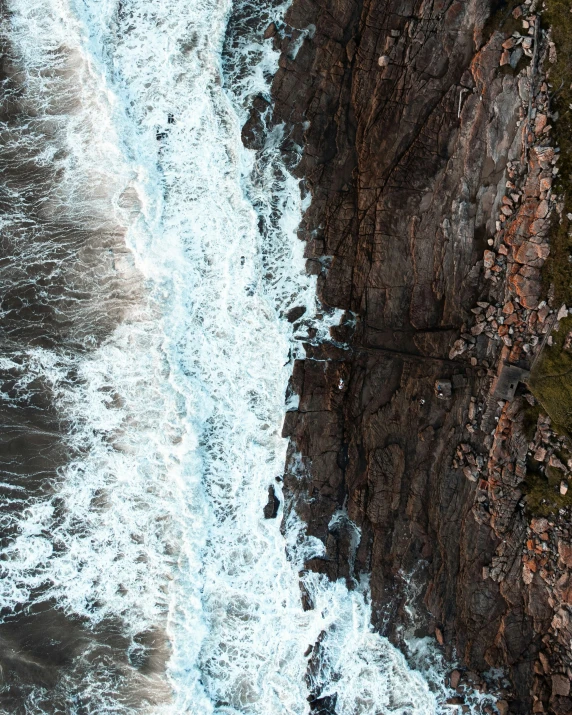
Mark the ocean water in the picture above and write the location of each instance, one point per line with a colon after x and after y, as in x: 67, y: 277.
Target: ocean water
x: 148, y: 262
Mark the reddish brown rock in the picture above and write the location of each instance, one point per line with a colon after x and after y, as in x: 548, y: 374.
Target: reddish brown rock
x: 531, y: 253
x: 542, y: 210
x: 527, y: 288
x: 505, y: 58
x: 540, y: 123
x: 489, y: 258
x: 565, y: 553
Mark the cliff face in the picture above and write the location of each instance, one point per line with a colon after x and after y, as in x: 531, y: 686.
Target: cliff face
x: 416, y: 125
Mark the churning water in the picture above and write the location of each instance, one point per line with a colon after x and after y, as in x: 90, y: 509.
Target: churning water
x: 148, y: 261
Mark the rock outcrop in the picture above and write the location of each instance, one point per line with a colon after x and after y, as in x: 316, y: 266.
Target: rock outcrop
x: 425, y: 135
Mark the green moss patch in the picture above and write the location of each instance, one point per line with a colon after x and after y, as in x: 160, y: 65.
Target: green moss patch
x: 530, y: 420
x: 558, y: 268
x: 551, y: 379
x: 543, y: 496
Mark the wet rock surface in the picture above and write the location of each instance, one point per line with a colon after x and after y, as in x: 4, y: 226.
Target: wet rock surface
x: 426, y: 148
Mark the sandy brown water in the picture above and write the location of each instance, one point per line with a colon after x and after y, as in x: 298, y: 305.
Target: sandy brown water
x: 67, y: 280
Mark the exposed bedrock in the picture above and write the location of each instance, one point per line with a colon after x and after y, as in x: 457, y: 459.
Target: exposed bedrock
x: 407, y: 122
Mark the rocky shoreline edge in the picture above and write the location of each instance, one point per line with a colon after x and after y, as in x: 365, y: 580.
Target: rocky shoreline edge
x: 428, y: 147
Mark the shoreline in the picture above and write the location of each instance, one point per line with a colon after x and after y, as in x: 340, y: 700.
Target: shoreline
x: 428, y: 170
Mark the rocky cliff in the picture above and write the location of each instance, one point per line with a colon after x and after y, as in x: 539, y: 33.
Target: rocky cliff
x: 425, y: 135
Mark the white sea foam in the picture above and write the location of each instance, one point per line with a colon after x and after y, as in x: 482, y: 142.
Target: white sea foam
x: 176, y: 418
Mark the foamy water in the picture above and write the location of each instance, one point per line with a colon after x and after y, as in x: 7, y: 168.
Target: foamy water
x: 167, y: 379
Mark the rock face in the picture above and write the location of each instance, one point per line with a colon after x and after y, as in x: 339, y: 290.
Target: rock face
x: 413, y: 122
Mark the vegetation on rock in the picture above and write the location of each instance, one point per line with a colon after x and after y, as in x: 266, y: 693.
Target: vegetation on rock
x: 559, y: 267
x: 551, y: 380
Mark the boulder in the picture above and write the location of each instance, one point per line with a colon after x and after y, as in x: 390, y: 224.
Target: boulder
x: 531, y: 253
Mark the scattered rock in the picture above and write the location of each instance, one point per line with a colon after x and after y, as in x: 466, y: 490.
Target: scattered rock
x: 443, y: 389
x: 489, y: 258
x: 565, y: 553
x: 540, y: 123
x: 459, y: 347
x: 560, y: 685
x: 555, y: 462
x: 455, y: 700
x: 502, y: 707
x: 505, y: 58
x: 539, y: 525
x: 470, y: 474
x: 295, y: 314
x: 273, y: 504
x: 270, y: 31
x: 515, y: 57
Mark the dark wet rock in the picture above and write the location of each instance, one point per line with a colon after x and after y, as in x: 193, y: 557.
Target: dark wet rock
x: 323, y: 706
x: 413, y: 148
x: 270, y: 31
x: 271, y: 508
x: 295, y: 313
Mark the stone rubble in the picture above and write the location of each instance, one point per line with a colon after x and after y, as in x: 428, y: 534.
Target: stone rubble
x: 510, y: 326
